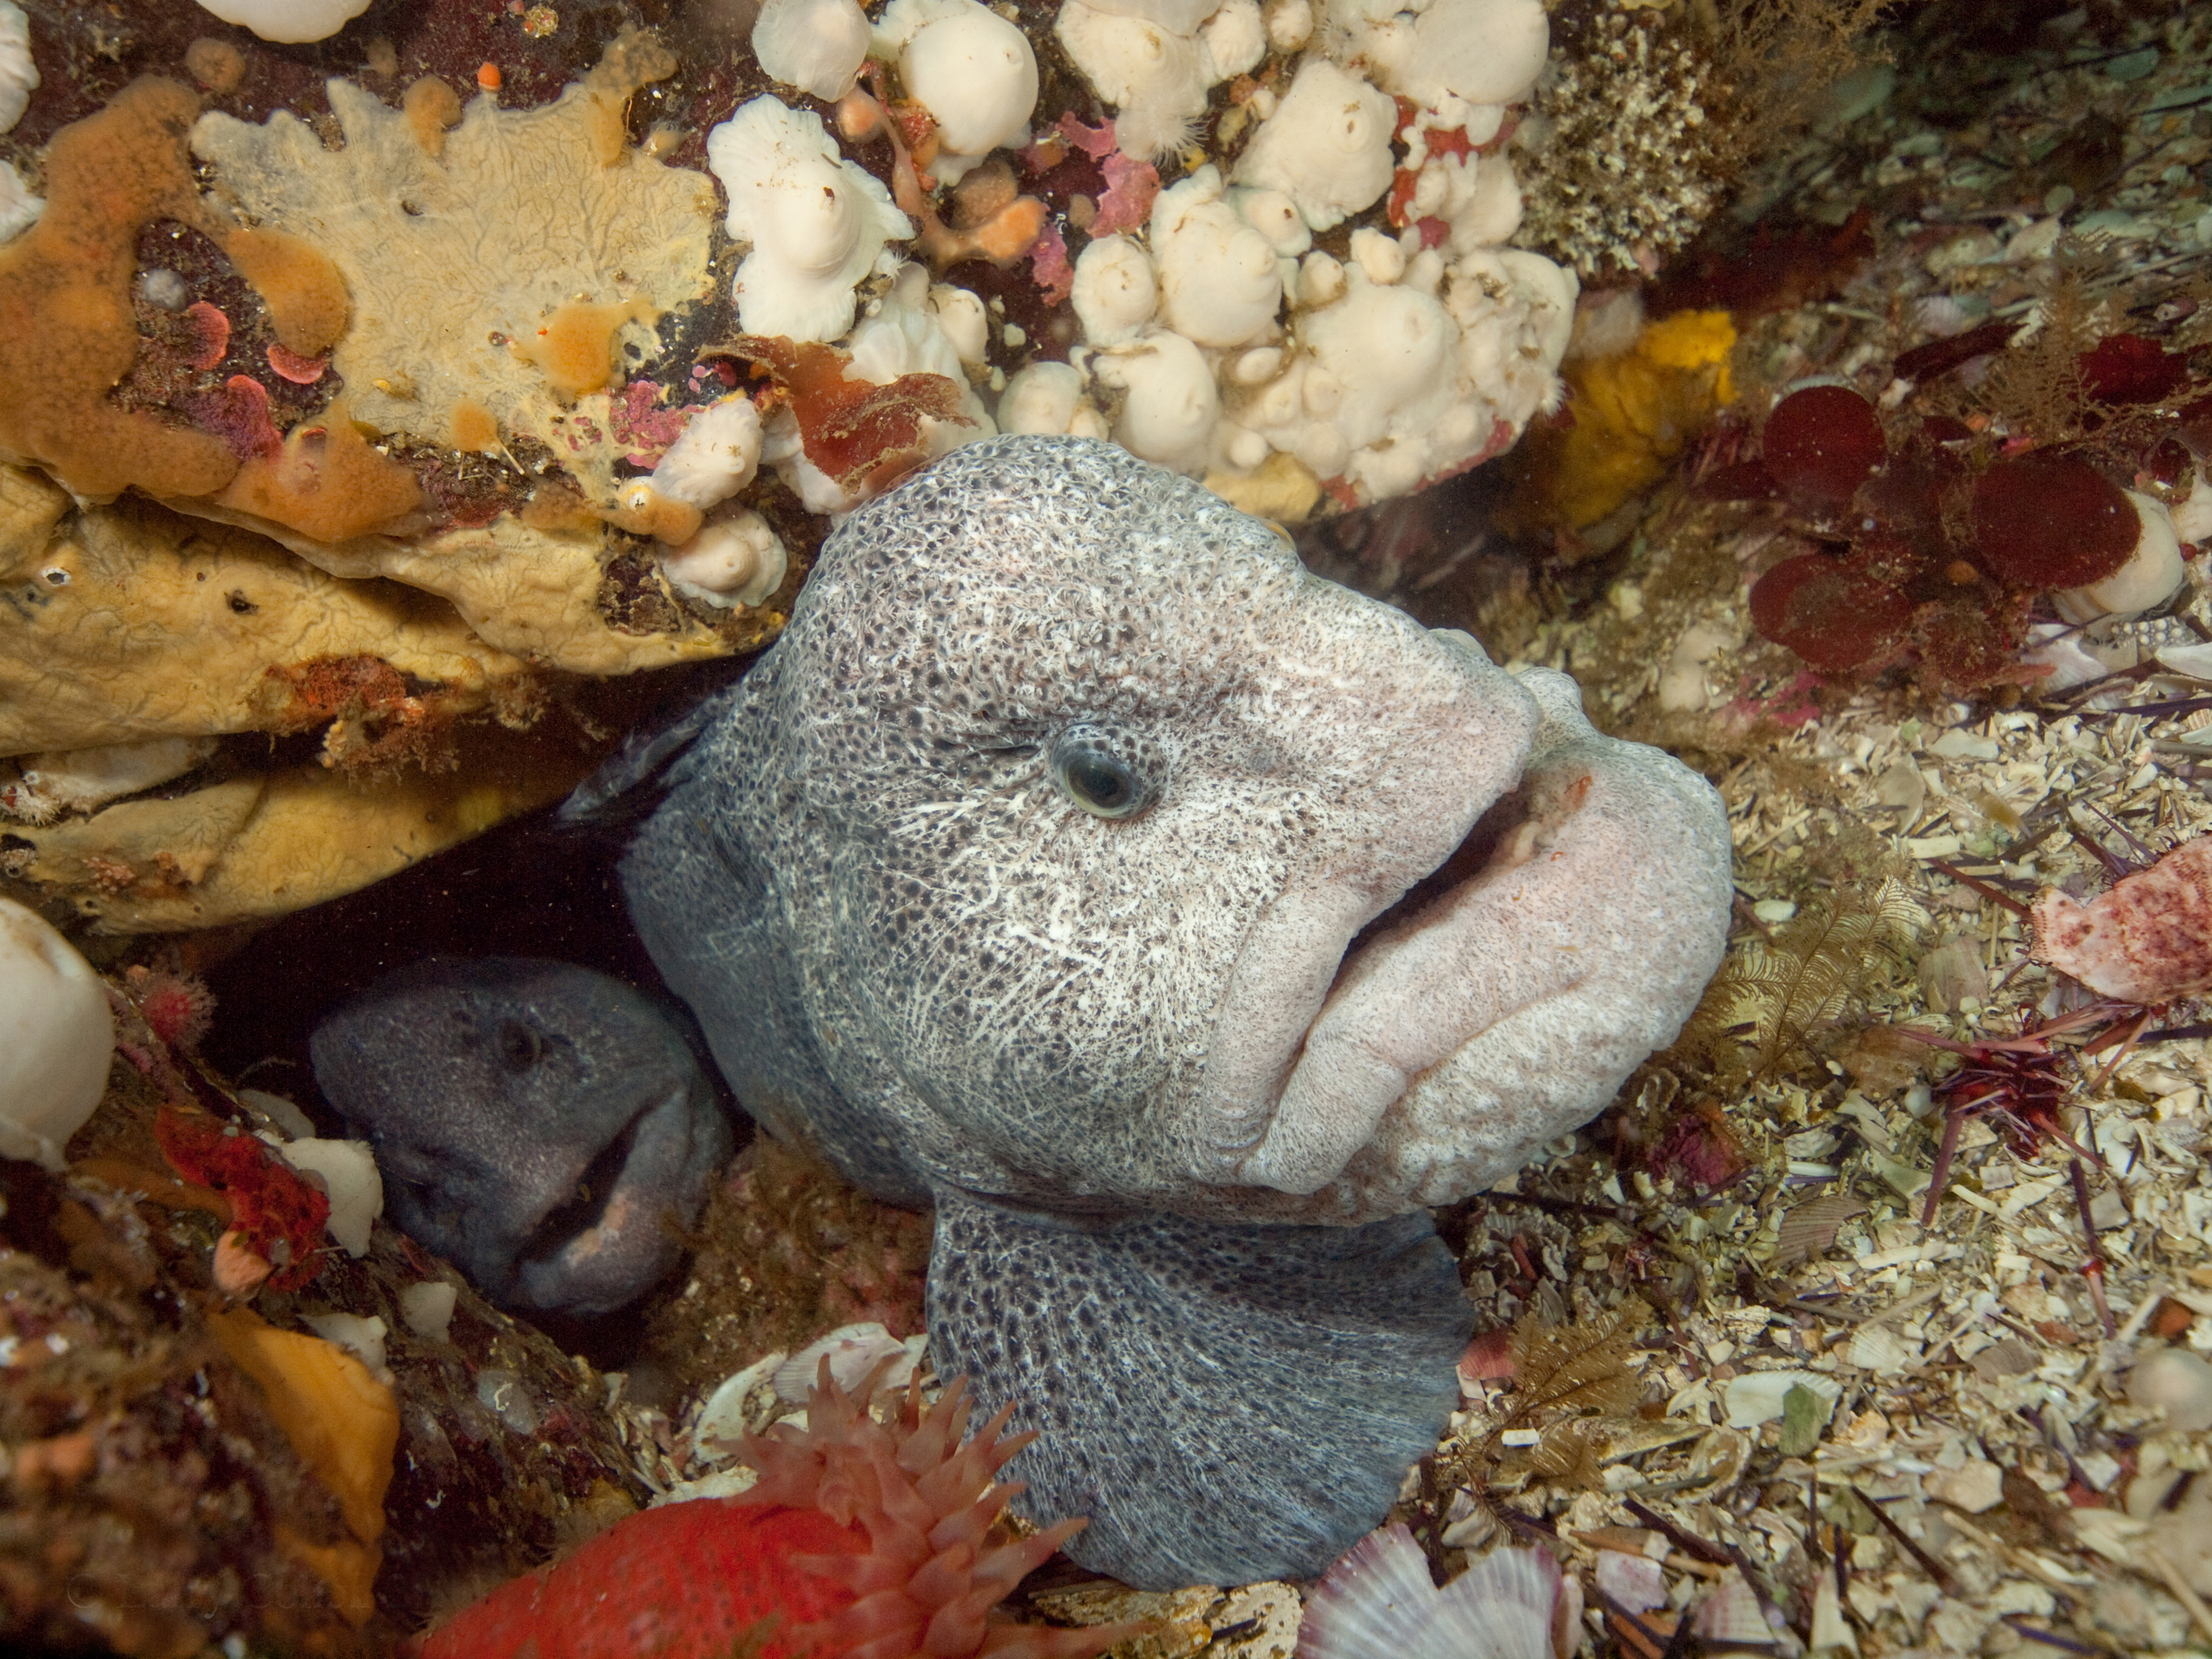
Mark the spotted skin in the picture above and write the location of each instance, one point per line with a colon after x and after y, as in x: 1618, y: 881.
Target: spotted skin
x: 546, y: 1128
x: 1128, y: 1058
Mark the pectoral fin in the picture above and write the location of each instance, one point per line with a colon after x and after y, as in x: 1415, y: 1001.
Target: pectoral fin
x: 1227, y: 1403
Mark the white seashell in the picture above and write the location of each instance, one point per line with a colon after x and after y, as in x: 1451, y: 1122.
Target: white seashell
x: 1756, y: 1397
x: 852, y: 1350
x: 363, y: 1338
x: 722, y: 1421
x: 2180, y: 1381
x: 1634, y: 1582
x: 349, y: 1177
x: 1731, y: 1614
x: 427, y: 1309
x: 1378, y: 1604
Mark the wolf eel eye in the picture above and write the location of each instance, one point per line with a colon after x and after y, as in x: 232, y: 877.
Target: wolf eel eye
x: 1097, y: 778
x: 519, y: 1047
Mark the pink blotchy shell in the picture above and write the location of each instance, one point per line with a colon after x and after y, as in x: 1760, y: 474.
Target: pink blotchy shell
x: 2147, y: 940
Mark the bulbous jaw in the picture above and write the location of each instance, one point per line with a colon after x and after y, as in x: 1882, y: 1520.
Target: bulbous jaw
x: 1379, y: 1058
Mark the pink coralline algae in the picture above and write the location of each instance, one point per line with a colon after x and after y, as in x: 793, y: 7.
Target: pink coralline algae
x: 239, y: 415
x: 1048, y: 264
x: 210, y: 334
x: 1094, y: 142
x: 291, y: 365
x: 648, y: 426
x: 2147, y: 940
x: 1131, y: 188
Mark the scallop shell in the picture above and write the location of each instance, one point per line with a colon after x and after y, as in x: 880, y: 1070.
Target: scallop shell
x: 1378, y: 1604
x: 851, y: 1350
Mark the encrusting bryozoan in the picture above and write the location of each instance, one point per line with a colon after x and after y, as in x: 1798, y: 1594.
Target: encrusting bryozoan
x: 817, y: 46
x: 815, y: 222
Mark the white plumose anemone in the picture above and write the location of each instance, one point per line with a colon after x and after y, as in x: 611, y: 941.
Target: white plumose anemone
x: 1218, y: 281
x: 1235, y: 38
x: 1171, y: 403
x: 969, y: 68
x: 966, y: 324
x: 19, y: 74
x: 733, y: 560
x: 56, y: 1036
x: 714, y: 457
x: 817, y: 46
x: 1155, y: 76
x: 1326, y: 146
x: 815, y: 223
x: 1486, y: 51
x: 289, y: 22
x: 1047, y: 400
x: 1116, y: 291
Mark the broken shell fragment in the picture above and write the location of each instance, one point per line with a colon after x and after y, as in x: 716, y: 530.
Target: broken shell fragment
x: 969, y: 68
x: 2148, y: 939
x: 852, y: 1352
x: 2180, y: 1381
x: 814, y: 221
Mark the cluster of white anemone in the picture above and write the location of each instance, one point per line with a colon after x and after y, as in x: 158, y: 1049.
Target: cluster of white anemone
x: 1229, y: 339
x: 1217, y: 340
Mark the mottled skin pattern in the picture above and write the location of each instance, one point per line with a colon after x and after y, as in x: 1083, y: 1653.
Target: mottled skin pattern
x: 908, y: 941
x: 546, y: 1128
